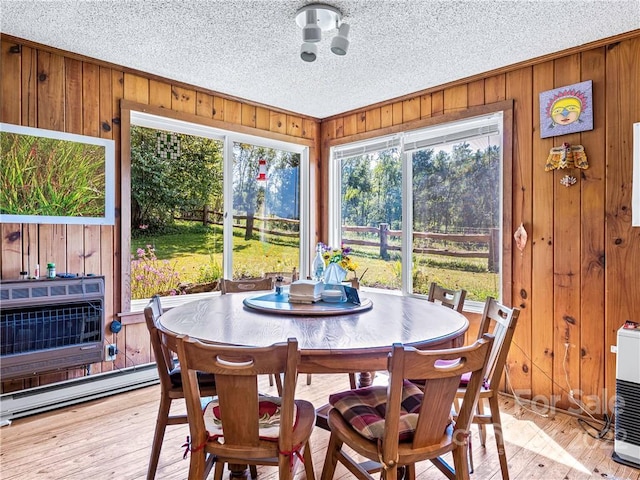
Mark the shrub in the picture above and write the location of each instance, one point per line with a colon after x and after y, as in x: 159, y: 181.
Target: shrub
x: 150, y: 275
x: 210, y: 272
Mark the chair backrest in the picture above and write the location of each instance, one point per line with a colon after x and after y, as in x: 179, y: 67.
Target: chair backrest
x: 161, y: 351
x: 236, y: 286
x: 500, y: 321
x: 287, y: 277
x: 236, y: 369
x: 449, y: 298
x: 441, y: 371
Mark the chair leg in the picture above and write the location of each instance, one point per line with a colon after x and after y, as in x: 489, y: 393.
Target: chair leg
x: 308, y: 462
x: 279, y: 384
x: 331, y: 459
x: 253, y: 471
x: 308, y: 379
x: 410, y: 472
x: 481, y: 430
x: 461, y: 463
x: 470, y: 454
x: 271, y: 380
x: 218, y: 470
x: 497, y: 431
x: 158, y: 436
x: 391, y: 473
x: 197, y: 464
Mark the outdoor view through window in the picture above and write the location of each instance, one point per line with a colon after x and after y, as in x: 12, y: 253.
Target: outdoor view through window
x: 177, y: 211
x: 434, y: 192
x: 451, y: 186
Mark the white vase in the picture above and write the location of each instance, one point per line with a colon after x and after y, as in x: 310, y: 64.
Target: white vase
x: 334, y: 274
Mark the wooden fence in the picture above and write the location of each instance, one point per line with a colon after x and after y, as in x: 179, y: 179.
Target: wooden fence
x: 382, y: 232
x: 492, y: 240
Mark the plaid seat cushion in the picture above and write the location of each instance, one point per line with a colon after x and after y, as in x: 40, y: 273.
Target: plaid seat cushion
x: 364, y: 409
x: 269, y: 418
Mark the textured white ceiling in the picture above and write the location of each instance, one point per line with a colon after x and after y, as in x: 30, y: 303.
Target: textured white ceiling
x: 250, y: 48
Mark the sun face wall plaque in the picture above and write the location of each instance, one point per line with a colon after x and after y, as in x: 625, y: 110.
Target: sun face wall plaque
x: 566, y: 110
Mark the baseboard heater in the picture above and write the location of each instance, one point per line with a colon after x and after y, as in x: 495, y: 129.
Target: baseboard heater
x: 70, y: 392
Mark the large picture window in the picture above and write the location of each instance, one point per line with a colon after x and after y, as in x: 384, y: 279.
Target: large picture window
x: 424, y: 206
x: 204, y: 204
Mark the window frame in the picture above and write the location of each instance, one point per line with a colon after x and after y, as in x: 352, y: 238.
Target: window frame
x: 160, y: 118
x: 380, y: 136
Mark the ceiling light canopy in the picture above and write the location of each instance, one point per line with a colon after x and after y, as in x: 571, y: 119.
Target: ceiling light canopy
x: 316, y: 18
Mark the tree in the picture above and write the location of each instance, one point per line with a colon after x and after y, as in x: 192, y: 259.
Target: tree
x: 387, y: 188
x: 356, y: 190
x: 161, y: 186
x: 277, y: 196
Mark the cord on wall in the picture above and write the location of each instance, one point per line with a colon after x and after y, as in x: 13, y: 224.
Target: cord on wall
x: 570, y: 392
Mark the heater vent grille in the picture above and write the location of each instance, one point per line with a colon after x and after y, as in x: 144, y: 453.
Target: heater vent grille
x: 627, y: 408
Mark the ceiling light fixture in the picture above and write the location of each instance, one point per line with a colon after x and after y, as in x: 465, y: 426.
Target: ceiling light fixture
x: 308, y: 52
x: 340, y: 43
x: 316, y: 18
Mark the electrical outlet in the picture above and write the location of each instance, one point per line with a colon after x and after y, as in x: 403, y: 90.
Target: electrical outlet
x: 110, y: 352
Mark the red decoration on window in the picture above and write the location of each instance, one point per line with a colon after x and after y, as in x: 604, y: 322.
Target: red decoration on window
x: 262, y: 170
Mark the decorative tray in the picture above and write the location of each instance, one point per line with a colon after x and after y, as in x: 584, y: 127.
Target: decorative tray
x: 274, y: 303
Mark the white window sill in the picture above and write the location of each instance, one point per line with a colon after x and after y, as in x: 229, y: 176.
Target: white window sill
x: 470, y: 306
x: 171, y: 301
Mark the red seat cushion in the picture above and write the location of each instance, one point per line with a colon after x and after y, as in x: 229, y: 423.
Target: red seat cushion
x: 269, y: 418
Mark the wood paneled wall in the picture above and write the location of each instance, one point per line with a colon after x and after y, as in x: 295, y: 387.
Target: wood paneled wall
x: 578, y: 279
x: 49, y: 89
x: 576, y: 282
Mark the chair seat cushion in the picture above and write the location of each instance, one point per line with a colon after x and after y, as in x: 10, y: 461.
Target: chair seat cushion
x: 464, y: 379
x: 364, y: 409
x: 269, y: 418
x: 204, y: 379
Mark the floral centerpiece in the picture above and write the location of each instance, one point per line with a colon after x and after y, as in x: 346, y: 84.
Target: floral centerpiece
x: 340, y: 257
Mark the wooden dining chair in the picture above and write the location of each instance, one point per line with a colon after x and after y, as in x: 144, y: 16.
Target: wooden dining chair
x: 453, y: 299
x: 241, y: 426
x: 449, y: 298
x: 170, y: 381
x: 287, y: 277
x: 500, y: 321
x: 248, y: 285
x: 400, y: 424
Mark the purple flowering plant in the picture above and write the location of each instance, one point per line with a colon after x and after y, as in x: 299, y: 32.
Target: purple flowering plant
x: 150, y: 276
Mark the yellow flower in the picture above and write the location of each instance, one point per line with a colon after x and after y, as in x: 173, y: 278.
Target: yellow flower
x: 339, y: 256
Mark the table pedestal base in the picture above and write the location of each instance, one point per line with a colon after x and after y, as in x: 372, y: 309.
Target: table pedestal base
x: 365, y: 379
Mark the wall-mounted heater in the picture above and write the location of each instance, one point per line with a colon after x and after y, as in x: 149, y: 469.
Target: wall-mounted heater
x: 50, y: 324
x: 626, y: 447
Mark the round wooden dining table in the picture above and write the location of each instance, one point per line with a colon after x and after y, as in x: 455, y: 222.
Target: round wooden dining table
x: 344, y: 341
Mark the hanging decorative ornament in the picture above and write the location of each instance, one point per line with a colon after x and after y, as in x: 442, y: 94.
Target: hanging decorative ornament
x: 566, y: 156
x: 168, y: 145
x: 262, y: 170
x: 520, y: 237
x: 568, y: 180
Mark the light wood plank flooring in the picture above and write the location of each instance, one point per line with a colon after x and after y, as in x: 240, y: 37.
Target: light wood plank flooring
x: 111, y: 438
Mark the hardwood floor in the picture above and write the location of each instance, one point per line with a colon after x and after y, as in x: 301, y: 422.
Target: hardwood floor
x: 111, y: 439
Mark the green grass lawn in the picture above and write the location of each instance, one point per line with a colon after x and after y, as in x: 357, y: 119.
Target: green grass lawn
x: 195, y: 253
